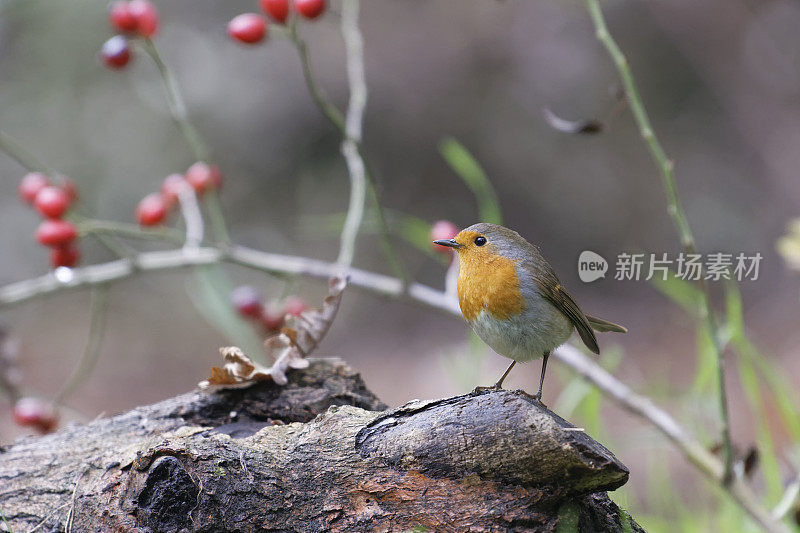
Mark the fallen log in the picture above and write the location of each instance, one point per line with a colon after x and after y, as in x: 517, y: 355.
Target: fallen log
x: 319, y: 454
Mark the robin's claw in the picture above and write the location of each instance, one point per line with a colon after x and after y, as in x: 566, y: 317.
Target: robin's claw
x: 535, y: 397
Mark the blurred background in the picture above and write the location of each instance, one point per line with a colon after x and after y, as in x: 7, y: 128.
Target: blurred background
x: 720, y: 78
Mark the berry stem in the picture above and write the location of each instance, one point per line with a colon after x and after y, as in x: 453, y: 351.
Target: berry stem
x: 26, y: 159
x: 176, y: 104
x: 328, y: 109
x: 354, y: 46
x: 112, y: 245
x: 177, y: 108
x: 97, y: 328
x: 107, y: 227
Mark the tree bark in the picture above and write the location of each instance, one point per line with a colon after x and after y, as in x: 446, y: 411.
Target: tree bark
x: 320, y: 454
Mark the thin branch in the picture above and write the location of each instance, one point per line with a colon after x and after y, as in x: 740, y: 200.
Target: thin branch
x: 97, y: 328
x: 335, y: 117
x: 120, y: 229
x: 788, y: 499
x: 89, y: 276
x: 22, y: 156
x: 693, y: 450
x: 176, y: 104
x: 354, y: 45
x: 330, y: 111
x: 177, y: 108
x: 192, y: 216
x: 674, y: 208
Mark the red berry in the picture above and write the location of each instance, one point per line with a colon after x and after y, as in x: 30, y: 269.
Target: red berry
x: 146, y: 16
x: 31, y: 184
x: 171, y: 188
x: 295, y: 305
x: 68, y: 186
x: 120, y: 16
x: 248, y: 28
x: 202, y: 176
x: 151, y: 211
x: 34, y: 412
x: 272, y: 318
x: 56, y: 233
x: 310, y: 9
x: 65, y: 256
x: 247, y: 301
x: 51, y: 202
x: 115, y: 52
x: 277, y: 9
x: 443, y: 229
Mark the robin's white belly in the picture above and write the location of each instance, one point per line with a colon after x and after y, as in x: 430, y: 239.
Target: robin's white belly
x: 538, y: 329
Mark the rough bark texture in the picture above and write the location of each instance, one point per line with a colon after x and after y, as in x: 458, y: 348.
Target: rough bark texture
x: 316, y: 455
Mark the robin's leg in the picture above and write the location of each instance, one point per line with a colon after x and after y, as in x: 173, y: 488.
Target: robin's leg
x: 499, y: 384
x: 538, y: 395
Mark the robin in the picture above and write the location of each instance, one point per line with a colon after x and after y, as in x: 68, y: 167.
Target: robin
x: 513, y: 300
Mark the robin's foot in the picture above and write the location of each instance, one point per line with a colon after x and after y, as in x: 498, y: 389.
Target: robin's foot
x: 535, y: 397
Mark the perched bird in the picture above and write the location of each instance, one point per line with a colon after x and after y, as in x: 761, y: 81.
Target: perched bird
x: 513, y: 300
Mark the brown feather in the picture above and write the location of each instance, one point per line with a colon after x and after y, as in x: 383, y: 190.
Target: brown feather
x: 598, y: 324
x: 565, y: 303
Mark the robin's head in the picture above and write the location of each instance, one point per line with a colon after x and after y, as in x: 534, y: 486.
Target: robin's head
x: 484, y: 240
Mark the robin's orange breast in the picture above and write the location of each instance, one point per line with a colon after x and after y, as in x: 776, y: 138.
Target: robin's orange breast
x: 489, y: 282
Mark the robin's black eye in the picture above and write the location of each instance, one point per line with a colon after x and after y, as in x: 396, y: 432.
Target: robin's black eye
x: 480, y: 240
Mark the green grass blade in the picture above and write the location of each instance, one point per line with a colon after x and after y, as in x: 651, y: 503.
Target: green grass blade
x: 467, y: 168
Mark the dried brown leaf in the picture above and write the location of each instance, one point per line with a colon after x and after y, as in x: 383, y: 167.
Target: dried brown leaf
x: 287, y: 349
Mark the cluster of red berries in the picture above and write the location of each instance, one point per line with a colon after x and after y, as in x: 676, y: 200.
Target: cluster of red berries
x: 442, y: 230
x: 249, y: 303
x: 251, y: 28
x: 134, y: 18
x: 154, y: 208
x: 52, y: 200
x: 33, y: 412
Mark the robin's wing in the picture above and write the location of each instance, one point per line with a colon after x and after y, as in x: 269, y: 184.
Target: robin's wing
x: 550, y: 288
x: 565, y: 303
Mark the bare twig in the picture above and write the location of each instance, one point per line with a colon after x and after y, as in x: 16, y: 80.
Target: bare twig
x: 787, y: 501
x: 176, y: 105
x: 92, y: 226
x: 192, y: 217
x: 674, y: 208
x: 46, y: 518
x: 23, y: 291
x: 354, y: 46
x: 330, y: 111
x: 335, y: 117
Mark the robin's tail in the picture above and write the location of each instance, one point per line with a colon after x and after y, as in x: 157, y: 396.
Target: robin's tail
x: 598, y: 324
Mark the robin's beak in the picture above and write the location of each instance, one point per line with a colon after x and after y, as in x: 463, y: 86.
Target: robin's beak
x: 450, y: 243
